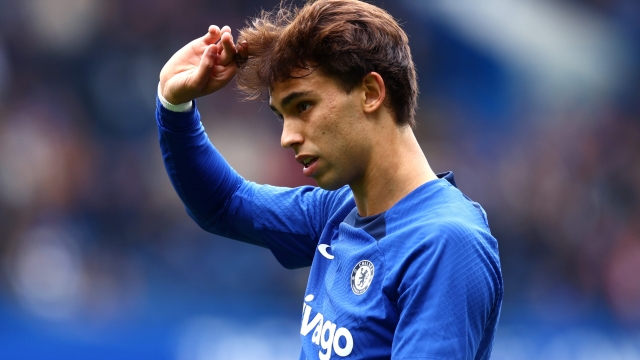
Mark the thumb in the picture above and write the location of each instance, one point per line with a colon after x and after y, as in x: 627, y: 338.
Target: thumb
x: 207, y: 61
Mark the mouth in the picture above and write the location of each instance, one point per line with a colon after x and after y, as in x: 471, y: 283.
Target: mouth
x: 306, y: 160
x: 309, y: 161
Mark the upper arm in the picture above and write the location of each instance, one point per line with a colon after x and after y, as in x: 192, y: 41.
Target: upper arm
x: 290, y: 221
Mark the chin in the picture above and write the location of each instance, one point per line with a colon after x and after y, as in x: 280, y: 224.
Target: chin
x: 330, y: 184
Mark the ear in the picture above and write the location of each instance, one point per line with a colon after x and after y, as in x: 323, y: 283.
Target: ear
x: 374, y: 92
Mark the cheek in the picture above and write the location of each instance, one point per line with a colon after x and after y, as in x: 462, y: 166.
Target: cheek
x: 352, y: 125
x: 342, y: 129
x: 349, y: 139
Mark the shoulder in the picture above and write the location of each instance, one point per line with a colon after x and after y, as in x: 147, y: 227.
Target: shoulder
x: 437, y: 209
x: 305, y: 203
x: 438, y: 236
x: 304, y: 194
x: 437, y: 219
x: 446, y: 246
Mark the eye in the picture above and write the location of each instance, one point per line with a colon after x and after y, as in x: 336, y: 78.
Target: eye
x: 303, y: 106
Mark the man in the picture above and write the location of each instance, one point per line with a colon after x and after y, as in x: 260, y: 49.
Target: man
x: 403, y: 265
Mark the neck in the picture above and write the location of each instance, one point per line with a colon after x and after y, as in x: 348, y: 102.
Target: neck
x: 397, y: 166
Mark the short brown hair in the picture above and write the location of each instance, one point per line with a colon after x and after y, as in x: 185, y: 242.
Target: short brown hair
x: 346, y: 39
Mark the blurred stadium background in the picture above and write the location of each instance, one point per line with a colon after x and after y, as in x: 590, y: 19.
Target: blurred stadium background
x: 535, y: 105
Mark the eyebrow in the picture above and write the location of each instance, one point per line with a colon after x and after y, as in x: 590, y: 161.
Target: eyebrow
x: 289, y: 98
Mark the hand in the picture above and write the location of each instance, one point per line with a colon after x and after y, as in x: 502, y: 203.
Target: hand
x: 202, y: 67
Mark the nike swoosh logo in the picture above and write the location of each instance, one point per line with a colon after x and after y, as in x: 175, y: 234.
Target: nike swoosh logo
x: 323, y: 250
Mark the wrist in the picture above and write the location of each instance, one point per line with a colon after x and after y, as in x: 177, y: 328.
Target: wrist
x: 184, y: 107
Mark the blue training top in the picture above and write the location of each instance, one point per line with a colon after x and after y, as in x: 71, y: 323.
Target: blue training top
x: 419, y: 281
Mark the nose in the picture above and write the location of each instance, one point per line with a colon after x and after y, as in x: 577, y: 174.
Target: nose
x: 291, y: 135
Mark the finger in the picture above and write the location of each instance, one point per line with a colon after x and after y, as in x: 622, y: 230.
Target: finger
x: 207, y: 62
x: 228, y: 49
x: 225, y: 29
x: 213, y: 35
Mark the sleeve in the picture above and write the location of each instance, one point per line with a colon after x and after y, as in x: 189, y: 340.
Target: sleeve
x: 449, y: 297
x: 287, y: 221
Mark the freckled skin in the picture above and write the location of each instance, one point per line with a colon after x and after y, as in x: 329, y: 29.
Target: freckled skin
x: 354, y: 137
x: 333, y: 128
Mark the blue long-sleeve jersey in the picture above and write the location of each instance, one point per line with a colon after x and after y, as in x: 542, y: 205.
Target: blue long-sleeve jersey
x: 419, y: 281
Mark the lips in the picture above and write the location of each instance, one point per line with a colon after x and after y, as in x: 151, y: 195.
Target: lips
x: 306, y: 160
x: 309, y: 161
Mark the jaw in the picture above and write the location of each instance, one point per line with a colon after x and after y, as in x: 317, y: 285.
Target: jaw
x: 336, y: 177
x: 329, y: 180
x: 327, y: 183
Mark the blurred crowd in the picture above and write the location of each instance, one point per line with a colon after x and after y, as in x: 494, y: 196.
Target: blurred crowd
x: 94, y: 240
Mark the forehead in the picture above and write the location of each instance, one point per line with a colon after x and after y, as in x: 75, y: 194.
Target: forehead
x: 301, y: 81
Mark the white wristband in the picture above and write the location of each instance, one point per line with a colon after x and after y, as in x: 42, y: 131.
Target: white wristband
x: 184, y: 107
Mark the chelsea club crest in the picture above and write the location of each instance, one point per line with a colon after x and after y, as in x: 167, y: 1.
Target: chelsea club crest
x: 361, y: 277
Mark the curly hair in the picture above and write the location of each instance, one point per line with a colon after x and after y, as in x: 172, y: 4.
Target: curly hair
x: 346, y: 39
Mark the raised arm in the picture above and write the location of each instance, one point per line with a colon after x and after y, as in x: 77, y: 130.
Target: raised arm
x: 287, y: 221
